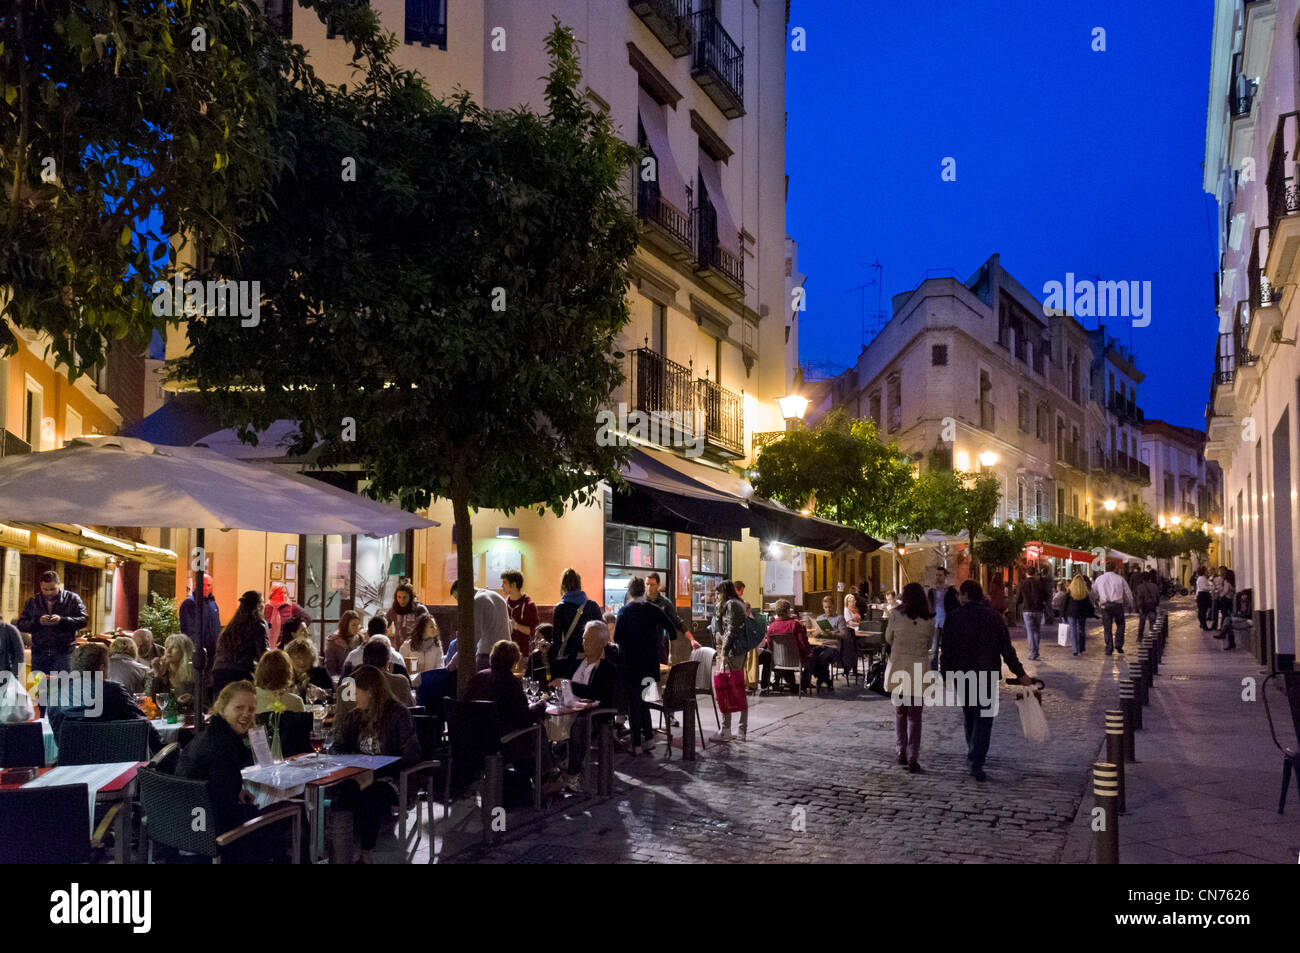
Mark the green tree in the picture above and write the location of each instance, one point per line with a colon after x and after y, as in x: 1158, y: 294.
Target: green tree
x: 122, y: 124
x: 956, y: 501
x: 447, y: 318
x: 161, y: 617
x: 1003, y: 546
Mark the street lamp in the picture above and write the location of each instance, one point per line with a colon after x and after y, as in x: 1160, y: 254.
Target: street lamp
x: 1109, y: 505
x: 793, y: 407
x: 1176, y: 520
x: 988, y: 458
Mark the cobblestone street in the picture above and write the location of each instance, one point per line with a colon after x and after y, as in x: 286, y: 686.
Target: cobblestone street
x: 827, y: 765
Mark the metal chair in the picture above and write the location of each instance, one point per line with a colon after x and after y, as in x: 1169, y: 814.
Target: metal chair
x: 1290, y: 688
x: 432, y: 754
x: 22, y: 745
x: 679, y: 695
x: 168, y: 806
x: 785, y: 658
x: 703, y: 657
x: 48, y: 825
x: 474, y: 730
x: 85, y: 741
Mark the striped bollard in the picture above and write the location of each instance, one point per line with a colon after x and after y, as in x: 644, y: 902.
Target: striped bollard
x: 1140, y: 686
x: 1105, y: 788
x: 1144, y: 663
x: 1115, y: 749
x: 1132, y: 714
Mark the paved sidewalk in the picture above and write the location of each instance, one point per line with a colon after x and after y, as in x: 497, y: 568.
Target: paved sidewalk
x: 817, y: 782
x: 1205, y: 787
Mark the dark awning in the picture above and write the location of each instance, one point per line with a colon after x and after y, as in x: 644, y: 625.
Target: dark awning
x: 659, y: 496
x: 769, y: 521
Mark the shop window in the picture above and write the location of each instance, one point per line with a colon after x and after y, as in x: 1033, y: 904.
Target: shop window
x: 710, y: 566
x: 633, y: 551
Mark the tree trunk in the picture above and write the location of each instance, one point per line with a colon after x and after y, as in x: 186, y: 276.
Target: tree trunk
x: 465, y: 640
x: 974, y: 560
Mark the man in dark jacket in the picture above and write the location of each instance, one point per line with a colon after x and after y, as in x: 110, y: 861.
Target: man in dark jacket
x: 637, y: 631
x: 975, y: 643
x: 1035, y: 594
x: 1147, y: 596
x: 201, y: 621
x: 53, y: 617
x: 655, y: 596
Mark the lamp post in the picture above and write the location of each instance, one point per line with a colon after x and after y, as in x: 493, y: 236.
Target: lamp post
x: 793, y: 407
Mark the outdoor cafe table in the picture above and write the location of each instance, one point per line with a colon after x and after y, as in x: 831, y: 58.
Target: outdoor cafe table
x: 168, y: 731
x: 106, y: 783
x: 310, y: 775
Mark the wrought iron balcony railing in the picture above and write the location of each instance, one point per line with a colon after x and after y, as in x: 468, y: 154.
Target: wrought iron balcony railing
x: 709, y: 252
x: 724, y: 416
x: 1283, y: 194
x: 1241, y: 96
x: 1261, y: 292
x: 718, y: 64
x: 655, y: 210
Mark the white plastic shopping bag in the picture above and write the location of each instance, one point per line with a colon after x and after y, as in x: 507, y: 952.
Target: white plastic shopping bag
x: 1063, y: 633
x: 1032, y: 720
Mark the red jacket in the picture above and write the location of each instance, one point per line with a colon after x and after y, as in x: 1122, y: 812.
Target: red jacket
x: 785, y: 627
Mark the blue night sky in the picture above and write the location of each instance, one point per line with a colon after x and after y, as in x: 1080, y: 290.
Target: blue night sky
x: 1067, y: 160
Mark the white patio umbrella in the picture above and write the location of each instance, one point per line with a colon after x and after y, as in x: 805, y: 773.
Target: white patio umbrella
x: 120, y: 481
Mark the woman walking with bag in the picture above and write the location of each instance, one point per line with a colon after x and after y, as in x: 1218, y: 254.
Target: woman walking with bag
x: 1078, y: 610
x: 908, y: 635
x: 729, y: 624
x: 1224, y: 606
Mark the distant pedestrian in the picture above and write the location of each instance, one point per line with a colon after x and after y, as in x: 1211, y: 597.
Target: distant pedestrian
x: 1216, y: 595
x: 52, y: 617
x: 942, y: 598
x: 1077, y: 608
x: 640, y: 626
x: 729, y: 624
x: 1203, y: 599
x: 1035, y: 592
x: 997, y: 594
x: 201, y: 621
x: 1113, y: 595
x: 975, y: 643
x: 1147, y: 597
x: 1227, y: 596
x: 908, y: 634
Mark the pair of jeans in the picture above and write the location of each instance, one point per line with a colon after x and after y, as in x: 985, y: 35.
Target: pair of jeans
x: 907, y: 730
x: 638, y: 713
x: 1203, y: 602
x: 1078, y: 632
x: 979, y: 731
x: 49, y: 662
x: 1113, y: 612
x: 1033, y: 631
x: 1145, y: 619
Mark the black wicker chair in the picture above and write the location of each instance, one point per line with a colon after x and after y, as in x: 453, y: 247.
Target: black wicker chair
x: 477, y: 751
x: 102, y: 742
x: 48, y: 825
x: 168, y: 806
x: 679, y: 695
x: 22, y: 745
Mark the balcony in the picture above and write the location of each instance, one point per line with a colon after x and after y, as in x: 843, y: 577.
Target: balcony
x: 1265, y: 302
x: 1129, y: 468
x: 1073, y: 455
x: 718, y: 64
x: 668, y: 20
x: 1125, y: 409
x: 1283, y: 201
x: 1240, y: 338
x: 667, y: 227
x: 426, y: 22
x: 720, y: 269
x: 724, y: 418
x: 988, y: 416
x: 1223, y: 381
x: 1241, y: 96
x: 665, y: 390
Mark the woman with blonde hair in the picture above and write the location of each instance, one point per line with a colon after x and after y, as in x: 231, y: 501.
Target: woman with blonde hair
x: 174, y: 671
x: 1078, y: 610
x: 309, y: 678
x: 851, y: 614
x: 273, y: 679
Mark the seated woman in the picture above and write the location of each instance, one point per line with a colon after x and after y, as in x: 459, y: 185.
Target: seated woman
x: 378, y: 725
x: 274, y: 679
x: 216, y: 756
x: 498, y: 683
x: 124, y: 667
x: 784, y: 624
x: 342, y: 641
x: 310, y: 681
x: 290, y: 629
x: 851, y: 615
x: 173, y: 672
x: 423, y: 650
x: 107, y: 701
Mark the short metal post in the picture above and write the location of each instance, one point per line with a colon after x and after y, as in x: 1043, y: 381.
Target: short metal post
x: 1132, y: 713
x: 1140, y: 687
x: 1115, y: 748
x: 1105, y: 788
x: 1144, y: 663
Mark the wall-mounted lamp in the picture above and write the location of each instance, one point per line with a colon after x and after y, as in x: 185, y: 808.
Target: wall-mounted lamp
x: 988, y: 458
x: 1109, y: 505
x: 507, y: 532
